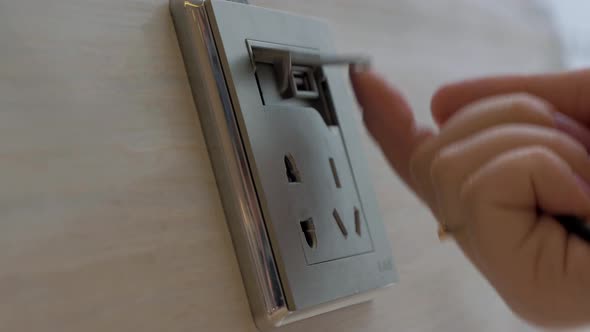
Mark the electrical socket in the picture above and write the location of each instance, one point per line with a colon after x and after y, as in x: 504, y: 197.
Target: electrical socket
x: 316, y: 184
x: 286, y: 154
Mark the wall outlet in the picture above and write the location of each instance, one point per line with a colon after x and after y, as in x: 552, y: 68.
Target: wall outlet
x: 286, y: 154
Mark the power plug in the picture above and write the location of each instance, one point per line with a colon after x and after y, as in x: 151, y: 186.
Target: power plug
x: 287, y: 159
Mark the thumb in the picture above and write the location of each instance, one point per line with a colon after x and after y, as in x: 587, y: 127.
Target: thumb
x: 390, y: 120
x: 529, y: 258
x: 526, y: 182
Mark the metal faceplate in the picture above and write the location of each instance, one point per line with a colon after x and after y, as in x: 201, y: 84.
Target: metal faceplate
x: 250, y: 129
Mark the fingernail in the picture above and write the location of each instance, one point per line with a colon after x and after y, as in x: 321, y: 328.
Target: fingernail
x: 359, y: 67
x: 571, y: 127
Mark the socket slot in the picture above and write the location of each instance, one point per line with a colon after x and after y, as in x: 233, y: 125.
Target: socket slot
x: 293, y: 174
x: 340, y: 223
x: 335, y: 173
x: 308, y: 230
x: 357, y: 221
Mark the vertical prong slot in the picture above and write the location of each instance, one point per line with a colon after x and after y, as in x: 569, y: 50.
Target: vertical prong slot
x: 335, y: 173
x: 293, y: 174
x: 340, y: 223
x: 357, y: 222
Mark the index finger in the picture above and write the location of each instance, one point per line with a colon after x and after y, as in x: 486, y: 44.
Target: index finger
x: 568, y: 92
x: 390, y: 120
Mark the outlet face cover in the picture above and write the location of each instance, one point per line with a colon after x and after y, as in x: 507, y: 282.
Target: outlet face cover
x: 307, y: 130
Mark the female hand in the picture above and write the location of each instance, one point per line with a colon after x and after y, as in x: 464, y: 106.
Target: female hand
x: 502, y: 164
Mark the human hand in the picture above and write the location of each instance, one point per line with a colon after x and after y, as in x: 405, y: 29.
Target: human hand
x: 502, y: 164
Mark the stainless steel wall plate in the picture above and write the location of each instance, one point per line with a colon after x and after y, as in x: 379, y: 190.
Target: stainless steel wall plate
x: 277, y: 118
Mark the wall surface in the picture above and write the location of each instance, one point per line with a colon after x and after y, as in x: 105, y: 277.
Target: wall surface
x: 110, y: 219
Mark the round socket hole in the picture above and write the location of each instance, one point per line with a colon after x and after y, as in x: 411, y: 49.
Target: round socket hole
x: 308, y: 229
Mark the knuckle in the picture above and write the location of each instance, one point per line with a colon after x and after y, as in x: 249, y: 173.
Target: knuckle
x: 526, y: 160
x: 472, y: 197
x: 564, y: 142
x: 554, y: 140
x: 444, y: 167
x: 529, y: 108
x: 525, y: 102
x: 505, y: 130
x: 537, y: 155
